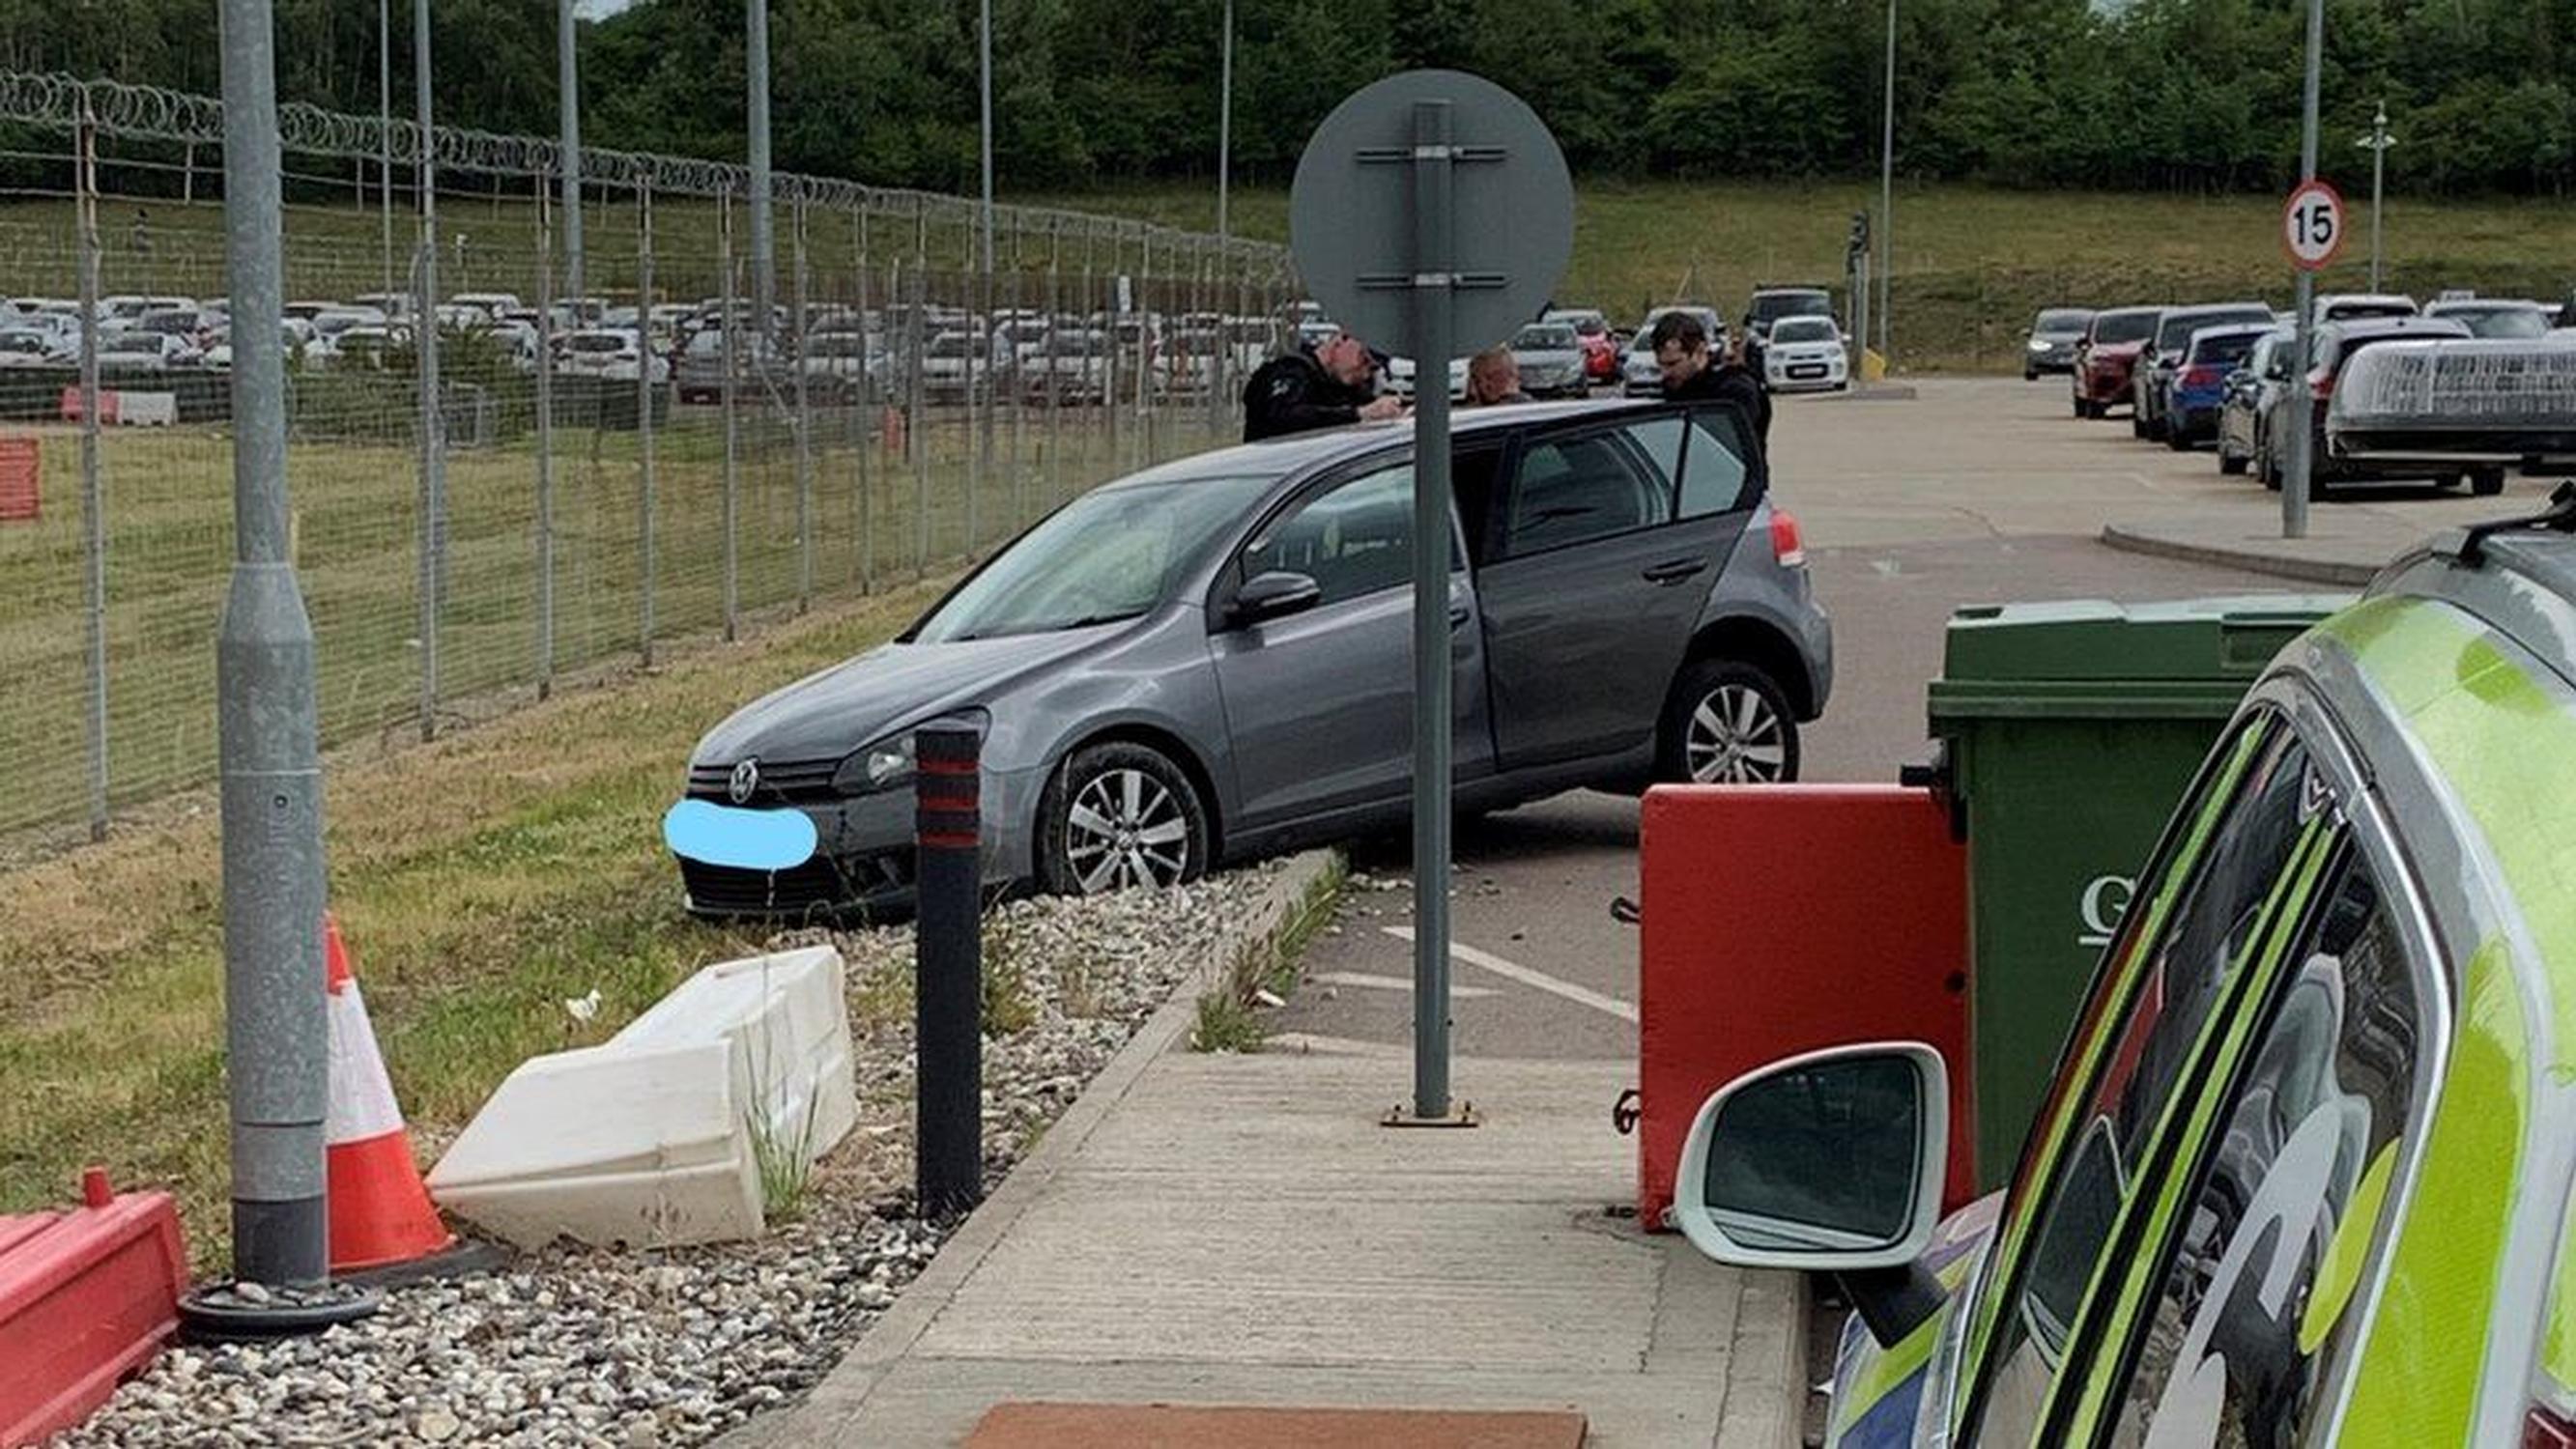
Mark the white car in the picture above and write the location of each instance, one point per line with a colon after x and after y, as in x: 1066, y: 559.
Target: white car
x: 1806, y: 354
x: 294, y: 333
x: 22, y: 347
x: 1549, y: 359
x: 1399, y: 377
x: 493, y: 305
x: 139, y: 351
x: 848, y: 364
x: 608, y: 354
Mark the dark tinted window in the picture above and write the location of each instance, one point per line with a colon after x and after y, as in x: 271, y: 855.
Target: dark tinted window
x: 2251, y: 1320
x: 2062, y: 319
x: 2123, y: 326
x: 2177, y: 327
x: 2227, y: 348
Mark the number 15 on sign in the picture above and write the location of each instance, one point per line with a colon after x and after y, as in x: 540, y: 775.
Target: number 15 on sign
x: 2312, y: 225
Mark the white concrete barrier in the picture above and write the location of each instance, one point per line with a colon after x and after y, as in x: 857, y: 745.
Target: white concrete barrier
x: 655, y: 1136
x: 144, y: 409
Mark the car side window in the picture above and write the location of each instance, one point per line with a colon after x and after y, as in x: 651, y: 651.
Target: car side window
x: 2257, y: 1305
x: 1353, y: 538
x: 2191, y: 965
x: 1715, y: 478
x: 1575, y: 489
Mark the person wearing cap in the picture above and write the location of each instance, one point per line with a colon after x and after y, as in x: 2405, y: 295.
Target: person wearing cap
x: 1494, y: 379
x: 1692, y: 374
x: 1298, y: 392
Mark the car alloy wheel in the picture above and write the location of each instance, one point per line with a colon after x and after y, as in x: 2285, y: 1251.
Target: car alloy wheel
x: 1118, y: 816
x: 1736, y: 737
x: 1126, y: 830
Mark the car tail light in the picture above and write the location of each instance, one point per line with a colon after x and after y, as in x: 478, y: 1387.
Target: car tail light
x: 1788, y: 544
x: 2543, y: 1429
x: 2201, y: 376
x: 2321, y: 386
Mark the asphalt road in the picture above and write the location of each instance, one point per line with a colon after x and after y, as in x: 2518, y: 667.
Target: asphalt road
x: 1976, y: 491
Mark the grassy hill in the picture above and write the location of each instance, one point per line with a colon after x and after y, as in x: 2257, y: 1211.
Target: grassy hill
x: 1974, y: 263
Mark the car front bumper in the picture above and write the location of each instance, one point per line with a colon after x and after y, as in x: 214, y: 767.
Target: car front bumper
x: 862, y: 864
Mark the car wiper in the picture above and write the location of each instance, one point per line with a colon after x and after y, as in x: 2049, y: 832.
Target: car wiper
x: 1085, y: 622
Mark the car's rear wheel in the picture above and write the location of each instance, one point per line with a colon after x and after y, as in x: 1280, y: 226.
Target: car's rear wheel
x: 1120, y: 815
x: 2083, y: 409
x: 2230, y: 464
x: 2486, y: 482
x: 1728, y: 723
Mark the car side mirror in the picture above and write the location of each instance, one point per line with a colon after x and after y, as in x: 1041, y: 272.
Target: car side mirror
x: 1274, y: 595
x: 1829, y: 1162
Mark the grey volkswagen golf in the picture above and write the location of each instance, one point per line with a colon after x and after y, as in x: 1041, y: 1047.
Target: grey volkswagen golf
x: 1210, y: 660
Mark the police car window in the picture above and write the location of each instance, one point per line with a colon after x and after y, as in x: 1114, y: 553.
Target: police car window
x: 1574, y: 490
x: 2190, y: 965
x: 2262, y: 1300
x: 1714, y: 477
x: 1352, y: 539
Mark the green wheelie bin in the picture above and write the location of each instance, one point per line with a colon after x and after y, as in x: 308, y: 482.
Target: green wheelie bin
x: 2065, y: 734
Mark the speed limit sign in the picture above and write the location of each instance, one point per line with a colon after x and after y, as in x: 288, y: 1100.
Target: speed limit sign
x: 2312, y: 226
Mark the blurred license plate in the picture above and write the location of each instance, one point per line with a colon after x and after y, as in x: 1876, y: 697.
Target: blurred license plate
x: 1807, y: 369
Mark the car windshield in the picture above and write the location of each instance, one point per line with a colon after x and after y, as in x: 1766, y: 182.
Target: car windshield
x: 1077, y: 344
x: 949, y: 344
x: 22, y: 342
x: 599, y: 342
x: 836, y: 344
x: 1545, y: 337
x: 1806, y: 329
x: 2353, y: 311
x: 2062, y: 319
x: 1111, y: 554
x: 2123, y: 327
x: 2177, y: 327
x: 1585, y: 324
x: 1772, y: 306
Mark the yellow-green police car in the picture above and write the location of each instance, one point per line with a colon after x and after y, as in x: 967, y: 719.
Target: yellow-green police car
x: 2302, y: 1176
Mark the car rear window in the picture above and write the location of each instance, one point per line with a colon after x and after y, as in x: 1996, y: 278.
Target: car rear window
x: 2123, y: 326
x: 2226, y: 347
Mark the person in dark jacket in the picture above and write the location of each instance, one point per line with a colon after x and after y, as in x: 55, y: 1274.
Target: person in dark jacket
x: 1298, y: 392
x: 1691, y: 372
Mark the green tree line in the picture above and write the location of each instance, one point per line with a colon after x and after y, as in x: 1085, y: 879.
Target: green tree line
x: 2177, y: 95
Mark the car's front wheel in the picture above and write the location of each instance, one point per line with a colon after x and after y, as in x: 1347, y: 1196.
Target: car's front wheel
x: 1729, y: 723
x: 1120, y: 815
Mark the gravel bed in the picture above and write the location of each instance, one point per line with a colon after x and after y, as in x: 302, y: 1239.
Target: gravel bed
x: 583, y: 1346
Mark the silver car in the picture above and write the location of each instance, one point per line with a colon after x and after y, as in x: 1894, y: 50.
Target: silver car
x: 1549, y: 358
x: 1211, y: 659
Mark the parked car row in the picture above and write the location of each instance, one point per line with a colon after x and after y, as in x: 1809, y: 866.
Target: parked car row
x: 2454, y: 393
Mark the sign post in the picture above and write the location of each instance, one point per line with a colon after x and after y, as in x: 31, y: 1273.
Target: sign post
x: 1433, y: 214
x: 2312, y: 230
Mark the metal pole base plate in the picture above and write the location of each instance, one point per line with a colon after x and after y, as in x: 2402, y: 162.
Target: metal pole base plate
x: 469, y: 1257
x: 1463, y: 1116
x: 240, y: 1312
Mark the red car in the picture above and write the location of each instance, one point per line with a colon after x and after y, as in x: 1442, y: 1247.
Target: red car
x: 2109, y: 355
x: 1591, y: 332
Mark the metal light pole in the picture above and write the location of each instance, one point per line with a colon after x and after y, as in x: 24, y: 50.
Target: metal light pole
x: 1887, y: 197
x: 1224, y: 120
x: 2303, y: 399
x: 276, y: 1035
x: 763, y: 256
x: 568, y: 101
x: 2377, y: 143
x: 984, y: 47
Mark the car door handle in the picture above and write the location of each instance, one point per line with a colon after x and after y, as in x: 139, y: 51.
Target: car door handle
x: 1457, y: 616
x: 1675, y: 571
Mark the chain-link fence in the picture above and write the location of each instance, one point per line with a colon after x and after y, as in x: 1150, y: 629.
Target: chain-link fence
x: 620, y: 447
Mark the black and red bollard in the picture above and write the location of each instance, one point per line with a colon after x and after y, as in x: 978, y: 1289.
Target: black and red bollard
x: 948, y: 989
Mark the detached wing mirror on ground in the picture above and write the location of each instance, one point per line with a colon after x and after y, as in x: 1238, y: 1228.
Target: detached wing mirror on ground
x: 1275, y: 594
x: 1828, y: 1162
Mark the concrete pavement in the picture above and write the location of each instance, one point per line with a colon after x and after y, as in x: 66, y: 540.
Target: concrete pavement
x: 1240, y: 1229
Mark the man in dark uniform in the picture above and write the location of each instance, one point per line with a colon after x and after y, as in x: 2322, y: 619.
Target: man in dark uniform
x: 1298, y: 392
x: 1681, y: 352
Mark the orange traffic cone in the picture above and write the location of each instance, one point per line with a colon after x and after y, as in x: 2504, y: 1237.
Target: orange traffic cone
x: 380, y: 1212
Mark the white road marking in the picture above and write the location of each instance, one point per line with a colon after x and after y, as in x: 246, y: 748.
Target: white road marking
x: 1513, y: 970
x: 1389, y: 983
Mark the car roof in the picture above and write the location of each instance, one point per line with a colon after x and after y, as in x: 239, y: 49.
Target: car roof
x: 2352, y: 329
x: 2212, y: 309
x: 1303, y: 452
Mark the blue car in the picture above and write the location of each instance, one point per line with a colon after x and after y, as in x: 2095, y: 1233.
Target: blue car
x: 2198, y: 391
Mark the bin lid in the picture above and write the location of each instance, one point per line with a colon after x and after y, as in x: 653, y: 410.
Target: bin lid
x: 2193, y: 655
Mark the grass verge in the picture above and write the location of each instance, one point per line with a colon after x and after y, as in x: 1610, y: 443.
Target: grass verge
x: 482, y: 882
x: 1230, y: 1016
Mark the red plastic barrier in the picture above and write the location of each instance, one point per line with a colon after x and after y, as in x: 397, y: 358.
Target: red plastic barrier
x: 86, y: 1297
x: 1780, y: 919
x: 21, y: 480
x: 107, y: 406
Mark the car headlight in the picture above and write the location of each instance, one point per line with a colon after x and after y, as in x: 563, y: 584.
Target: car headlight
x: 888, y: 764
x: 2038, y: 344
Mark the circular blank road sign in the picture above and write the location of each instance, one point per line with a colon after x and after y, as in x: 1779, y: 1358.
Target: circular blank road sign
x: 1351, y: 219
x: 2312, y: 225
